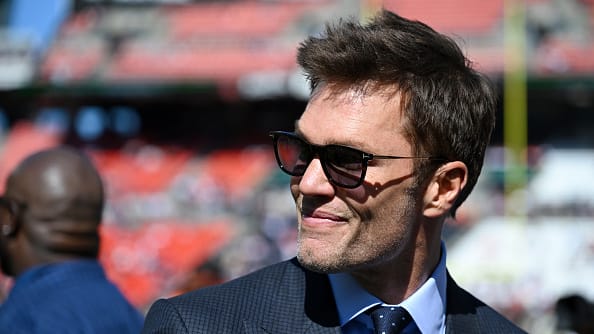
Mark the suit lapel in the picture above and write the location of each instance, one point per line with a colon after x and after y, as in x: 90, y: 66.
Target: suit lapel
x: 461, y: 310
x: 320, y: 306
x: 304, y: 303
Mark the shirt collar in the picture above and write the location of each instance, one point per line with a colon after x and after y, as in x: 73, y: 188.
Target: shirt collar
x: 426, y: 305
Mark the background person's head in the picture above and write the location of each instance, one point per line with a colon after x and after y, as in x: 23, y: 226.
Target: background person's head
x: 448, y: 108
x: 50, y: 211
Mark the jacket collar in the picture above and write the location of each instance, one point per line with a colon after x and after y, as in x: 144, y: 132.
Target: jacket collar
x: 320, y: 316
x: 461, y: 309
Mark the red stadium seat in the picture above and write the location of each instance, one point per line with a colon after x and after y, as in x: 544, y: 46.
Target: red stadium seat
x: 459, y: 16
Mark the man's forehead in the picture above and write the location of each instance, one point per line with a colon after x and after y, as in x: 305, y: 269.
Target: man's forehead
x: 355, y: 92
x: 366, y: 120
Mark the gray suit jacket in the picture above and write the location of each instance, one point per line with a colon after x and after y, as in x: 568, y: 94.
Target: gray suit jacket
x: 286, y: 298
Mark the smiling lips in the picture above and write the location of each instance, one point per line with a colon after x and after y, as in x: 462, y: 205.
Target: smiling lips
x: 317, y: 217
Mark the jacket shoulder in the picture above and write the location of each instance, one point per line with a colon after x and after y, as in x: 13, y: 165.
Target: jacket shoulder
x: 466, y: 313
x: 252, y: 285
x: 225, y: 307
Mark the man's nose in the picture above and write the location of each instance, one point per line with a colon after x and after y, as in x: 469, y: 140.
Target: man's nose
x: 314, y: 181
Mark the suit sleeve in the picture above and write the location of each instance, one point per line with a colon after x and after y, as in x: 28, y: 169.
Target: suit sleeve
x: 164, y: 318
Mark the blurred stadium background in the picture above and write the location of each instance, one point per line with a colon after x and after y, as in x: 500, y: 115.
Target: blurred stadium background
x: 174, y: 99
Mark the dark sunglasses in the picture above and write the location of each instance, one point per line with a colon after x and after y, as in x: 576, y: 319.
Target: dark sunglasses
x: 343, y: 166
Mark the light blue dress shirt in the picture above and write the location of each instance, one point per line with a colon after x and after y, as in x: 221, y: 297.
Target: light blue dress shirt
x: 426, y: 306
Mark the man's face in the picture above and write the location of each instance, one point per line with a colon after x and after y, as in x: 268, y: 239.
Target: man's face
x: 348, y: 229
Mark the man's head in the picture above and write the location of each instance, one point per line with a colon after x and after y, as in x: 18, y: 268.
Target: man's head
x: 50, y: 211
x: 448, y: 109
x: 392, y: 87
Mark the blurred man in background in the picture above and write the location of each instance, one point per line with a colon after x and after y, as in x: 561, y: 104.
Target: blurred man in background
x: 390, y: 144
x: 575, y: 314
x: 49, y: 241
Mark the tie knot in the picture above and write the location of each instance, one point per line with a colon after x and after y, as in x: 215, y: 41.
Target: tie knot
x: 390, y: 319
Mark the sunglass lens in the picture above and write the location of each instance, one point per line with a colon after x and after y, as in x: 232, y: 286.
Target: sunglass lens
x: 293, y: 155
x: 345, y: 165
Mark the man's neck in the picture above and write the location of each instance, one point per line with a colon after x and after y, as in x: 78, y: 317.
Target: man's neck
x: 395, y: 280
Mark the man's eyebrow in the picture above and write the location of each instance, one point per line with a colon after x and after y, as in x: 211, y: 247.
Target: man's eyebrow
x: 351, y: 144
x: 300, y: 133
x: 297, y: 129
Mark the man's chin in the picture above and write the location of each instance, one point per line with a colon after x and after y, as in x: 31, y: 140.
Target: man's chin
x: 318, y: 266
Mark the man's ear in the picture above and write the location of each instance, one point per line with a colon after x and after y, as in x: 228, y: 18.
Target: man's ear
x: 8, y: 219
x: 445, y: 186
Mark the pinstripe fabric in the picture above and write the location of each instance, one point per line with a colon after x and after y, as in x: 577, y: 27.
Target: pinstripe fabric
x: 285, y: 298
x: 271, y: 300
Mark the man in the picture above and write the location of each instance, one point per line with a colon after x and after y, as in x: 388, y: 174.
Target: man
x: 390, y: 144
x: 49, y: 241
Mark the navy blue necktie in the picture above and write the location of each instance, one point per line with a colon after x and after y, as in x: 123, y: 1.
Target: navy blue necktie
x: 390, y: 319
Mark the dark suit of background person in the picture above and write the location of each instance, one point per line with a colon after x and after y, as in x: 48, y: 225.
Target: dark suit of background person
x: 49, y: 241
x: 369, y: 226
